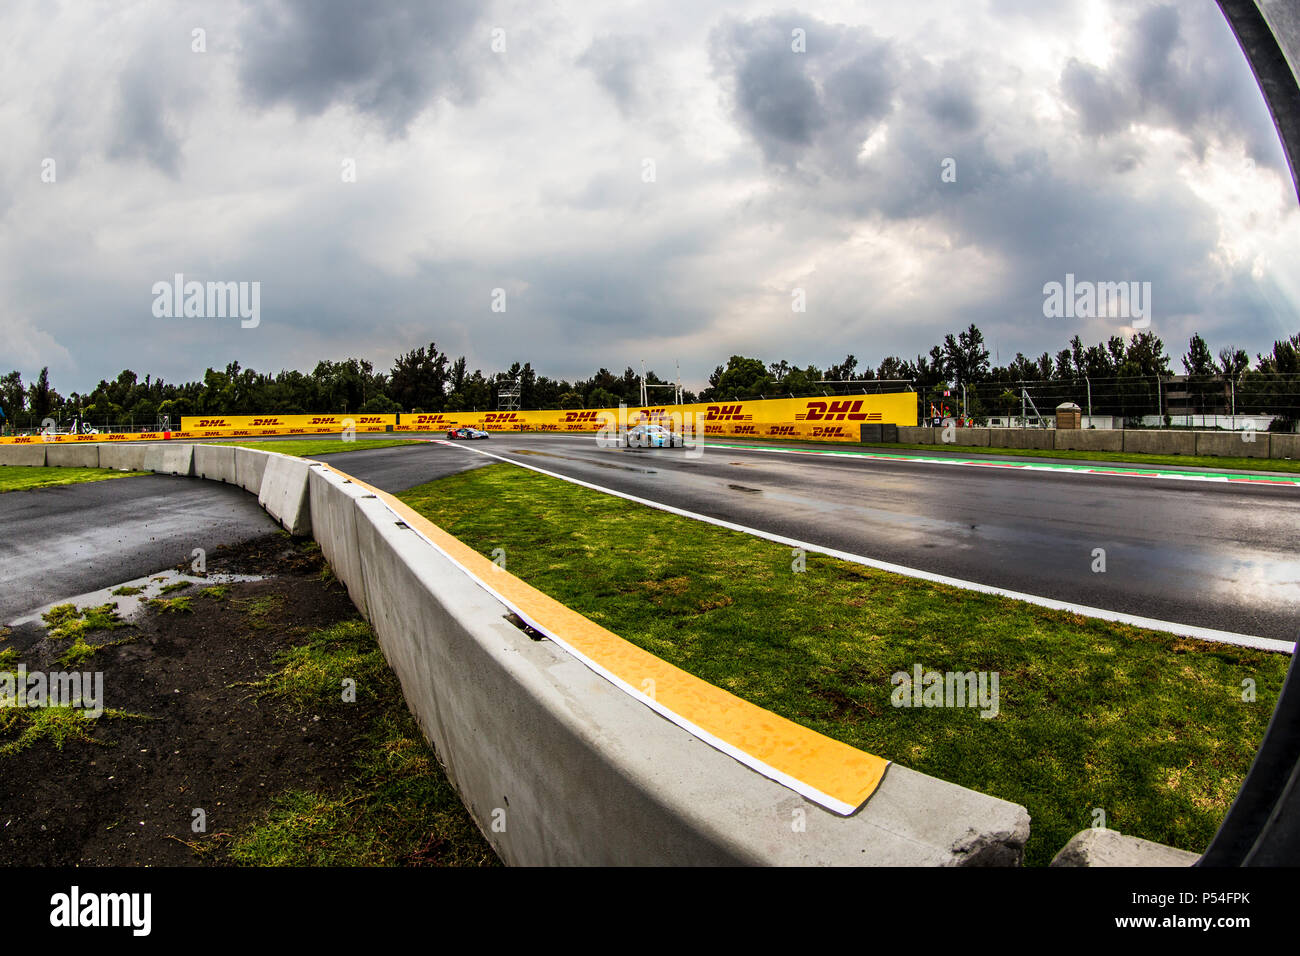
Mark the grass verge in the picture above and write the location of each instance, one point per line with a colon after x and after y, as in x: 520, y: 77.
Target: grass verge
x: 58, y: 725
x: 25, y: 477
x: 397, y: 809
x: 1149, y: 727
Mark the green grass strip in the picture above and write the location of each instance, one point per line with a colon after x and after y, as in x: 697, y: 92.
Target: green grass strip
x: 26, y: 477
x: 1148, y: 727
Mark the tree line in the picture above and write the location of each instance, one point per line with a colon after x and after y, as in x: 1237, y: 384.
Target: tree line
x: 1122, y: 376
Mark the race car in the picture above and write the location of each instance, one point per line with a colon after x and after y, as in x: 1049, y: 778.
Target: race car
x: 651, y: 436
x: 466, y: 434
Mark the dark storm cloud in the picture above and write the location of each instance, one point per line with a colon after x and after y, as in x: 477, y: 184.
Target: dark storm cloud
x: 824, y: 101
x: 389, y: 60
x: 953, y: 107
x: 143, y: 128
x: 1171, y: 72
x: 616, y: 61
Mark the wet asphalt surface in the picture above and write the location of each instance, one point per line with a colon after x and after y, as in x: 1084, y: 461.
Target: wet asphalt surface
x: 67, y: 540
x: 1219, y: 556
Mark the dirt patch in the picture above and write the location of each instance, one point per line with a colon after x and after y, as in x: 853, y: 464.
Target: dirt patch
x: 187, y: 733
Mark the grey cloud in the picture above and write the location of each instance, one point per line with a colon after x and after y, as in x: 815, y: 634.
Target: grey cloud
x: 143, y: 130
x: 616, y: 62
x: 1096, y: 97
x: 819, y: 104
x: 388, y: 60
x: 1173, y: 71
x: 953, y: 108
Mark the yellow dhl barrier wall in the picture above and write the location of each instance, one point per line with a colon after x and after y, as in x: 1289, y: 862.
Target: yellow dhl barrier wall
x: 826, y: 419
x: 362, y: 423
x: 171, y: 436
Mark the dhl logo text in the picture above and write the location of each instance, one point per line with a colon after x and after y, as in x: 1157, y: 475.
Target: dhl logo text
x: 834, y: 412
x: 726, y: 413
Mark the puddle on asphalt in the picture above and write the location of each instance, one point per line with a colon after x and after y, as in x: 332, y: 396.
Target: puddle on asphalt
x: 128, y: 605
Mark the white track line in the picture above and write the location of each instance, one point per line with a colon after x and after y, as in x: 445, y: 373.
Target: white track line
x: 1171, y: 627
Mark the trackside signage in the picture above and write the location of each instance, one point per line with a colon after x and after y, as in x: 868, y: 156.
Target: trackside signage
x: 827, y: 419
x: 198, y: 422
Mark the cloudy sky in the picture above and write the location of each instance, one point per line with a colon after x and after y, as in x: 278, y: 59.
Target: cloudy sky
x: 643, y: 180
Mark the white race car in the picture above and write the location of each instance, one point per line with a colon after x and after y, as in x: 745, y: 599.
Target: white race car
x: 651, y: 436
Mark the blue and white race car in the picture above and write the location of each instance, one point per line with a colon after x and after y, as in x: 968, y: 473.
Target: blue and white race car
x: 466, y: 434
x: 651, y: 436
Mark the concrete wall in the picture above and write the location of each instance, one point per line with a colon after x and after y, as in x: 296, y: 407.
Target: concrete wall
x: 31, y: 456
x: 169, y: 459
x: 284, y: 492
x: 249, y: 466
x: 915, y: 435
x: 334, y: 527
x: 1038, y: 438
x: 1233, y: 444
x: 1101, y: 847
x: 72, y: 456
x: 973, y: 437
x: 1089, y: 439
x: 1283, y: 445
x: 215, y: 462
x: 128, y: 456
x: 1159, y: 442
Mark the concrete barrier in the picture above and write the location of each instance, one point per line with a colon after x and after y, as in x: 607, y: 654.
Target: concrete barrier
x: 169, y: 459
x: 215, y: 462
x: 1143, y: 442
x: 29, y: 456
x: 334, y: 526
x: 1232, y: 444
x: 249, y: 467
x: 1039, y: 438
x: 59, y: 455
x: 582, y: 773
x: 972, y: 437
x: 1102, y: 847
x: 1089, y: 439
x: 284, y: 492
x: 915, y: 435
x: 125, y: 457
x: 1283, y: 445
